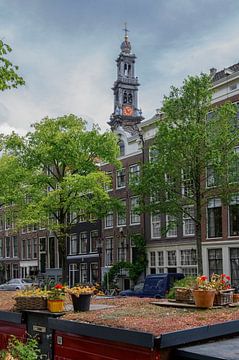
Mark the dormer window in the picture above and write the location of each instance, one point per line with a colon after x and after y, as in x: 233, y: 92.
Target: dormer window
x: 122, y: 147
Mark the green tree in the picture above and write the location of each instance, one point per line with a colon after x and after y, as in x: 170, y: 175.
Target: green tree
x: 8, y: 76
x: 195, y: 142
x: 52, y: 175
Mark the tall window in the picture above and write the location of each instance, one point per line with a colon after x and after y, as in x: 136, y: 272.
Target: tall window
x: 108, y: 251
x: 1, y: 222
x: 109, y: 185
x: 160, y: 262
x: 29, y: 248
x: 234, y: 260
x: 214, y: 214
x: 109, y: 220
x: 172, y: 260
x: 171, y: 226
x: 134, y: 173
x: 83, y: 273
x: 83, y: 242
x: 8, y: 222
x: 73, y: 274
x: 73, y: 244
x: 152, y: 262
x: 94, y: 272
x: 153, y: 154
x: 122, y: 250
x: 155, y: 226
x: 94, y: 235
x: 24, y: 249
x: 134, y: 218
x: 215, y: 261
x: 121, y: 217
x: 189, y: 262
x: 15, y: 246
x: 187, y: 184
x: 35, y: 248
x: 234, y: 216
x: 73, y: 217
x: 1, y: 247
x: 234, y: 170
x: 8, y: 246
x: 212, y: 178
x: 121, y: 178
x: 188, y: 222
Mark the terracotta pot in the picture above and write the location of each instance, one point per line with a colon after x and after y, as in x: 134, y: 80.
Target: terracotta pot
x: 204, y: 298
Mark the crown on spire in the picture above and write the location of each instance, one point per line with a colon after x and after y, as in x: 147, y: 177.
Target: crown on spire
x: 126, y: 46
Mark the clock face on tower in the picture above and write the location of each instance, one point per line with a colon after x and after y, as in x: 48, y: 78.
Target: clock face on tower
x: 127, y: 110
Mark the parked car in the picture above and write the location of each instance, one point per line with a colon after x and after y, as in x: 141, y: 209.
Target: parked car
x: 16, y: 284
x: 155, y: 286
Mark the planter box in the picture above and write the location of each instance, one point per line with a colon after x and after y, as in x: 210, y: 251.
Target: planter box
x: 184, y: 295
x: 31, y: 303
x: 223, y: 297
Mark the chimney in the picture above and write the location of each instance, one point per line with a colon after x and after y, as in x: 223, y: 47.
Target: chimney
x: 213, y: 71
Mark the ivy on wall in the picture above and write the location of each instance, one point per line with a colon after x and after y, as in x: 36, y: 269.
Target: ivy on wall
x: 136, y: 268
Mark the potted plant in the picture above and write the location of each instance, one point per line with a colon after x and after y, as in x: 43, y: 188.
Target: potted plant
x: 204, y: 293
x: 56, y: 296
x: 31, y: 299
x: 224, y: 293
x: 81, y: 296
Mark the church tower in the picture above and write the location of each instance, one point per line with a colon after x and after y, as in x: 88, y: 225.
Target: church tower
x: 126, y: 112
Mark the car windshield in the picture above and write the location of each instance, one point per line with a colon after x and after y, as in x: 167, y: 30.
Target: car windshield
x: 29, y: 281
x: 14, y: 281
x: 154, y: 284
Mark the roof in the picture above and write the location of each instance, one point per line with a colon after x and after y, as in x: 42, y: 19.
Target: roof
x: 225, y: 72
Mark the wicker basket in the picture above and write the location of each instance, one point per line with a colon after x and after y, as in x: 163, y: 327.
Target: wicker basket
x: 223, y: 297
x: 184, y: 295
x: 31, y: 303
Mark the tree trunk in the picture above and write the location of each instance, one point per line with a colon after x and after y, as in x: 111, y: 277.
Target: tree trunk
x: 198, y: 231
x: 62, y: 242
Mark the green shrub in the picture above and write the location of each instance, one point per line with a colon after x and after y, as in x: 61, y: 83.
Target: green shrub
x: 22, y: 351
x: 187, y: 282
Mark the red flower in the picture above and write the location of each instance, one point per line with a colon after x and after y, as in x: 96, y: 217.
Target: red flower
x: 203, y: 278
x: 228, y: 287
x: 223, y: 275
x: 58, y: 286
x: 228, y: 278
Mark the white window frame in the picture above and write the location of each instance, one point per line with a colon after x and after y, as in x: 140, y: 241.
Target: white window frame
x: 171, y: 233
x: 110, y: 216
x: 123, y: 215
x: 118, y: 175
x: 73, y: 238
x: 188, y: 219
x: 132, y: 214
x: 86, y: 238
x: 155, y: 223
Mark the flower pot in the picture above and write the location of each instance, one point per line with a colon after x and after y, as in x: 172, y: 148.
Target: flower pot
x: 81, y: 303
x: 204, y: 298
x: 55, y: 305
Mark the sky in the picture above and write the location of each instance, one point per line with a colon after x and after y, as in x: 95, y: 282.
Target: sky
x: 66, y: 51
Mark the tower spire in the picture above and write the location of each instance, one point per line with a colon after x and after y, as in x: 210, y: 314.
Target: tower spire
x: 125, y: 32
x: 126, y: 112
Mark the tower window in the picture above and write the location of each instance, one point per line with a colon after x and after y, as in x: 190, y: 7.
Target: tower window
x: 126, y: 69
x: 125, y: 98
x: 130, y: 98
